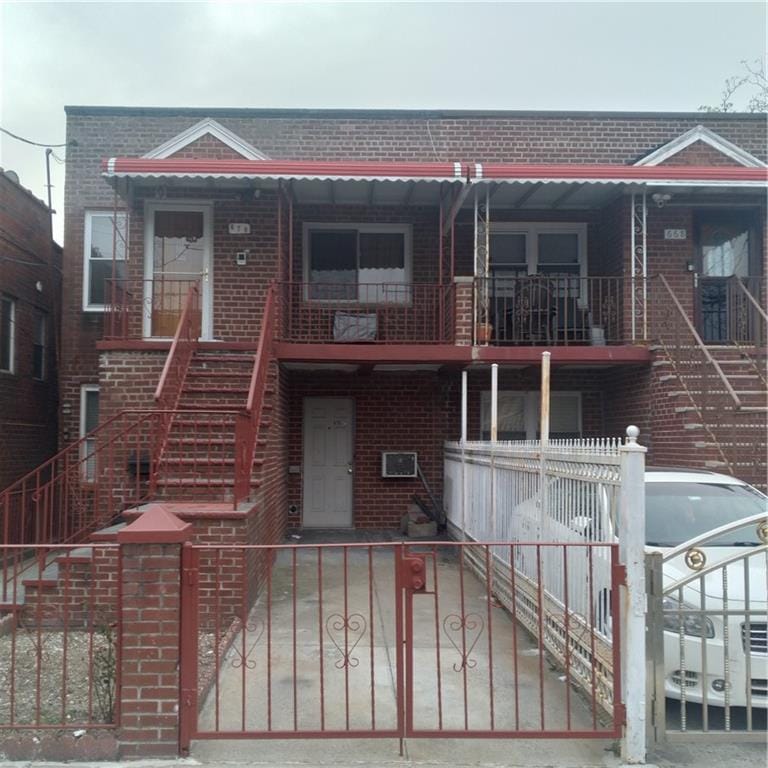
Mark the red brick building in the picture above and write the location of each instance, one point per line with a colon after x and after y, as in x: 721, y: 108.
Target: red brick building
x: 364, y: 259
x: 30, y: 282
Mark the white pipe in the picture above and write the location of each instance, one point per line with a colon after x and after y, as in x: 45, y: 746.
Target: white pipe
x: 463, y: 407
x: 544, y: 425
x: 494, y: 402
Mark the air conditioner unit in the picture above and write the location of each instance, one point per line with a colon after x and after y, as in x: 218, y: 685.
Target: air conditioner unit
x: 398, y: 464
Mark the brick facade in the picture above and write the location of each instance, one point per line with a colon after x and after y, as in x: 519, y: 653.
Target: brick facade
x: 609, y: 396
x: 30, y: 275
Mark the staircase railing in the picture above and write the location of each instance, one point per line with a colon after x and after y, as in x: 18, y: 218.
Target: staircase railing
x: 85, y: 486
x: 185, y: 341
x: 248, y: 423
x: 692, y: 360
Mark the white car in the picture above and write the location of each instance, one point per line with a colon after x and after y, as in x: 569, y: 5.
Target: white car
x: 715, y: 643
x: 683, y: 509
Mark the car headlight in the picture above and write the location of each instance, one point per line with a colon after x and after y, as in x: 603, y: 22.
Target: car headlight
x: 693, y: 624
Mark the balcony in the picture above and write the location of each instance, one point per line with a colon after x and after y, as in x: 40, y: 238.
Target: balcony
x: 543, y: 310
x: 369, y: 313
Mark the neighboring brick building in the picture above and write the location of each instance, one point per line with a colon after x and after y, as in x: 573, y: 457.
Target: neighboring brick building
x: 30, y: 283
x: 396, y: 242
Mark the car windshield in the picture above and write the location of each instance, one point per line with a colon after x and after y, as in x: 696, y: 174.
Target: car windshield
x: 677, y: 512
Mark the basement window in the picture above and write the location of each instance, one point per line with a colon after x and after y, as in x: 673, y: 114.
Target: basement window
x: 89, y: 420
x: 362, y: 263
x: 101, y: 240
x: 519, y: 415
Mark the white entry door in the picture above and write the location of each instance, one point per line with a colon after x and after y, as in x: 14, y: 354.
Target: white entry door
x: 327, y: 462
x: 177, y: 256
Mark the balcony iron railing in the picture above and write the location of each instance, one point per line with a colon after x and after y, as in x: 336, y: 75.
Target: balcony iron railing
x: 380, y: 313
x: 550, y: 310
x: 136, y: 308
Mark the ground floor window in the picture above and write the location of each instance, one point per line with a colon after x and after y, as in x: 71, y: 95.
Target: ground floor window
x: 519, y: 415
x: 89, y: 420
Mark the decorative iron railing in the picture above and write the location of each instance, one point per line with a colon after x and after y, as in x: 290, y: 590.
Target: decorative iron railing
x: 138, y: 308
x: 248, y: 424
x: 548, y: 310
x: 732, y: 310
x: 182, y: 349
x: 381, y: 313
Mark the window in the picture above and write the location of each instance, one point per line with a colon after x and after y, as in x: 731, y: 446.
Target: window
x: 98, y: 264
x: 89, y: 420
x: 39, y: 335
x: 358, y: 262
x: 7, y: 333
x: 554, y: 249
x: 519, y: 415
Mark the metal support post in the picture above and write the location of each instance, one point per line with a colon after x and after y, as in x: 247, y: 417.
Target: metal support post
x: 494, y: 402
x: 656, y: 700
x: 464, y: 389
x: 632, y: 553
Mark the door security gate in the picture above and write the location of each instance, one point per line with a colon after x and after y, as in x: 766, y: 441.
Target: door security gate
x: 400, y: 640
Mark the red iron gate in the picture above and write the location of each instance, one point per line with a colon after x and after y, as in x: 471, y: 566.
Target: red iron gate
x: 393, y: 640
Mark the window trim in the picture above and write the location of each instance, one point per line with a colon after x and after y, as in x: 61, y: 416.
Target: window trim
x: 11, y: 335
x: 87, y: 234
x: 40, y: 315
x: 360, y: 227
x: 530, y: 408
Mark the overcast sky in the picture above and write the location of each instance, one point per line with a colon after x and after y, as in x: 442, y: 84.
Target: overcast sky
x: 471, y: 55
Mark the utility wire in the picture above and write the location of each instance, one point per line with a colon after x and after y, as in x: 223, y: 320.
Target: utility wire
x: 29, y: 141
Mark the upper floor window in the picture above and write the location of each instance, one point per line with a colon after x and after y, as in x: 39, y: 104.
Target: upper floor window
x: 358, y: 262
x: 538, y: 248
x: 7, y: 334
x: 105, y: 234
x: 39, y: 345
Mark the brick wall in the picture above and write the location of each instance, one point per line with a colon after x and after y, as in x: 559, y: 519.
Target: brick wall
x: 28, y: 407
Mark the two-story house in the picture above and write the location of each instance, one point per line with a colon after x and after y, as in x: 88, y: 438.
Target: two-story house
x: 295, y: 293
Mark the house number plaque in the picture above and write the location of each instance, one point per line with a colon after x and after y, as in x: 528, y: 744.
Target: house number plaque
x: 675, y: 234
x: 239, y: 228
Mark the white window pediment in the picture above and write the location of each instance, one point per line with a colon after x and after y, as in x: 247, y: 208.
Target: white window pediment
x: 206, y: 127
x: 705, y: 135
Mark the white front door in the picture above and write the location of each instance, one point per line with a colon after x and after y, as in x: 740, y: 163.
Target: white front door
x: 177, y: 248
x: 327, y: 462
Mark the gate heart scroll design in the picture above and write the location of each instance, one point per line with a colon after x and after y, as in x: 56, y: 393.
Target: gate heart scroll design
x: 243, y: 659
x: 342, y: 629
x: 471, y: 627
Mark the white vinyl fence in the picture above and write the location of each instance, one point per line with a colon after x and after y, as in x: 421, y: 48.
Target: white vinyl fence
x: 557, y: 512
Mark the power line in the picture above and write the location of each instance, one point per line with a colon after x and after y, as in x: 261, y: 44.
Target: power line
x: 29, y: 141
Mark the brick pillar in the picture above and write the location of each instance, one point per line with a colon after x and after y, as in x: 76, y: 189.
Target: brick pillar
x: 150, y: 630
x: 464, y: 309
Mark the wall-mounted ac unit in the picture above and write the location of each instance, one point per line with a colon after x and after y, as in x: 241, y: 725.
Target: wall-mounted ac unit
x: 398, y: 464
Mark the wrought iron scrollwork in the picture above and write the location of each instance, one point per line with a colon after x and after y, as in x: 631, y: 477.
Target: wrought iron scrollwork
x: 243, y: 659
x: 343, y: 629
x: 471, y: 626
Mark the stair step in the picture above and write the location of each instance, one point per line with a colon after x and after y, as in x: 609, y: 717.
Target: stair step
x: 209, y: 373
x: 186, y: 461
x: 198, y: 482
x: 205, y: 357
x: 207, y: 407
x: 107, y: 534
x: 202, y: 442
x: 215, y: 390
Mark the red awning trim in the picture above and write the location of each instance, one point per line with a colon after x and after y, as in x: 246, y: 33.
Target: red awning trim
x: 570, y: 173
x: 266, y: 169
x: 141, y: 167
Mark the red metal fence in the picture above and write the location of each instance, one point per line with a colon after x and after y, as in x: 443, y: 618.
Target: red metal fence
x: 395, y: 640
x: 60, y: 639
